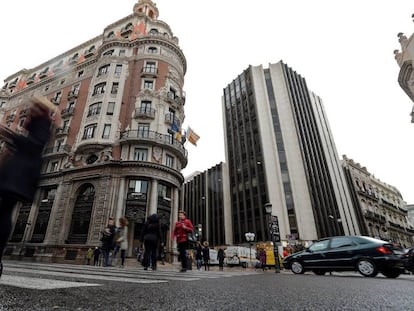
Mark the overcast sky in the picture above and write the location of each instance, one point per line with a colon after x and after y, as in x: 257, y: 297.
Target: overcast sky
x: 344, y: 50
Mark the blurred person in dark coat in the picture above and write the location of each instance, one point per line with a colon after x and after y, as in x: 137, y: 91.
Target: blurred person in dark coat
x: 20, y: 173
x: 151, y: 235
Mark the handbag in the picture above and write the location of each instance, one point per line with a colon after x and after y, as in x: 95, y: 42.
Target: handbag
x: 191, y: 237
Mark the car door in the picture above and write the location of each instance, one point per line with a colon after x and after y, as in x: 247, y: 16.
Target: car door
x: 341, y: 252
x: 315, y: 255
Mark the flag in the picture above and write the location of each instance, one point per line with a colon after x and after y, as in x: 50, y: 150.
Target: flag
x: 178, y: 135
x: 192, y: 137
x: 174, y: 127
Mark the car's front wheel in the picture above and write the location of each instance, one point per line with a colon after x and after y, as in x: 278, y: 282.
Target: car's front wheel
x: 367, y: 267
x: 297, y: 267
x: 391, y: 273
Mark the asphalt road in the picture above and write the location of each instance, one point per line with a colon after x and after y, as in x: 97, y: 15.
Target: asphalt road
x: 30, y: 286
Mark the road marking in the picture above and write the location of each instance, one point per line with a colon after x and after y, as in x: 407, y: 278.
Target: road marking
x: 41, y: 284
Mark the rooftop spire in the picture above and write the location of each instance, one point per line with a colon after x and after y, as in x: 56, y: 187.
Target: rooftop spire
x: 147, y: 7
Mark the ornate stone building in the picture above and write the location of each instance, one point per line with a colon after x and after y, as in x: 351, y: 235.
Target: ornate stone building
x: 116, y: 150
x: 404, y: 59
x: 381, y: 210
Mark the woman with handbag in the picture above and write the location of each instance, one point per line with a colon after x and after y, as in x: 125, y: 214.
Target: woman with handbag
x: 20, y: 174
x: 182, y: 227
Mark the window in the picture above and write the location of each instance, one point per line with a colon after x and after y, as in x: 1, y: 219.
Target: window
x: 99, y: 88
x: 108, y: 53
x: 143, y: 130
x: 118, y: 70
x: 54, y: 166
x: 145, y: 106
x: 114, y: 89
x: 153, y: 31
x: 140, y: 154
x: 111, y: 34
x: 103, y: 70
x: 89, y: 131
x: 136, y: 185
x: 111, y: 108
x: 341, y: 242
x: 152, y: 50
x: 106, y: 131
x: 121, y: 53
x: 71, y: 104
x: 319, y: 246
x: 149, y: 84
x: 75, y: 89
x: 169, y: 161
x: 150, y: 67
x: 80, y: 74
x: 2, y: 104
x: 57, y: 97
x: 65, y: 125
x: 94, y: 109
x: 164, y: 192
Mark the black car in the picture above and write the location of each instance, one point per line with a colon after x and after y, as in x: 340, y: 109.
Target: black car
x: 408, y: 259
x: 364, y: 254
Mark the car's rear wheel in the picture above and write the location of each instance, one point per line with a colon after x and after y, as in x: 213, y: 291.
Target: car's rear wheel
x: 391, y: 273
x: 367, y: 267
x: 297, y: 267
x: 319, y: 272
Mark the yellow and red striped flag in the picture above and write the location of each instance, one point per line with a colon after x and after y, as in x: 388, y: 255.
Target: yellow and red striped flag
x: 192, y: 136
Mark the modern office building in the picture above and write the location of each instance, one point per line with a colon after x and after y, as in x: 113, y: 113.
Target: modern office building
x: 115, y: 151
x: 280, y: 150
x: 381, y: 210
x: 405, y: 59
x: 204, y: 202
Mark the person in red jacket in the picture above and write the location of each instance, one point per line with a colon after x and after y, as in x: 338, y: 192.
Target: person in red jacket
x: 182, y: 227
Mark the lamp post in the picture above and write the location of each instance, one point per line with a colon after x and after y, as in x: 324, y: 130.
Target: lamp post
x: 250, y: 238
x: 273, y: 224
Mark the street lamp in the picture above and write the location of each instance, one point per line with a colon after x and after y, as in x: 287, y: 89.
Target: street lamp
x: 273, y: 224
x: 250, y: 238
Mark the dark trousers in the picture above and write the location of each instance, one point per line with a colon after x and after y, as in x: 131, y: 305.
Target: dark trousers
x: 150, y: 255
x: 123, y: 255
x: 6, y: 208
x: 182, y: 250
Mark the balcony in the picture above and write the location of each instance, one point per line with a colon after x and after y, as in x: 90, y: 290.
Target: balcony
x: 10, y: 118
x: 57, y: 150
x: 65, y: 113
x: 170, y: 118
x: 137, y: 196
x: 144, y: 113
x: 149, y: 71
x: 61, y: 131
x: 156, y: 138
x: 56, y: 101
x: 72, y: 95
x: 126, y: 31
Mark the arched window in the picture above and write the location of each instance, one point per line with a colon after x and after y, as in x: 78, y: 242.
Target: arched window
x: 81, y: 215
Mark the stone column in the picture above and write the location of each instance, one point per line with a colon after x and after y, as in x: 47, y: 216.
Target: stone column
x: 174, y: 218
x: 152, y: 209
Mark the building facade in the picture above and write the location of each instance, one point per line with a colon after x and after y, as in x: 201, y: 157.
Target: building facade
x: 382, y: 212
x: 115, y: 151
x: 204, y: 201
x: 404, y: 60
x: 280, y: 150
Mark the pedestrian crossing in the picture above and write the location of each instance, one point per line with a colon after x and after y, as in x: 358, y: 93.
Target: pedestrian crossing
x: 44, y: 276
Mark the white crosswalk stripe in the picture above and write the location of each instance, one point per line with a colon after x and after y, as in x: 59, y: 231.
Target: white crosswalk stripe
x: 47, y: 276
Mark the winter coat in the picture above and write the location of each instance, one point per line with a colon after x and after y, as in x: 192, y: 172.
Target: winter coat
x: 123, y: 238
x: 180, y: 233
x: 151, y: 230
x: 20, y: 175
x: 108, y: 238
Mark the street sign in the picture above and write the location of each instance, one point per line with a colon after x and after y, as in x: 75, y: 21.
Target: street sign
x: 274, y: 228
